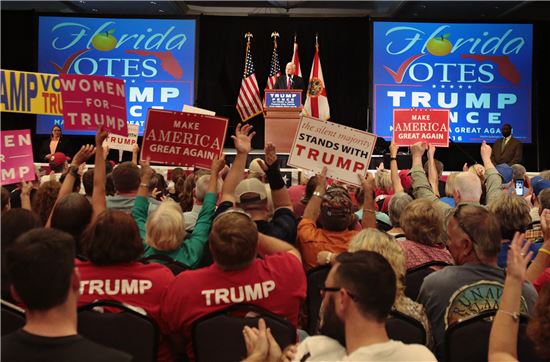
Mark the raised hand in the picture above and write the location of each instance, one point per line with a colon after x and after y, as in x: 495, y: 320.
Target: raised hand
x: 485, y: 150
x: 146, y: 170
x: 100, y: 136
x: 218, y: 164
x: 518, y: 258
x: 270, y: 154
x: 26, y: 188
x: 419, y: 148
x: 545, y: 225
x: 431, y: 151
x: 243, y: 137
x: 393, y: 149
x: 83, y: 155
x: 367, y: 182
x: 322, y: 179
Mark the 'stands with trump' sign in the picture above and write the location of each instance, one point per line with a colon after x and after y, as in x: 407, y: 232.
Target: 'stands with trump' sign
x: 16, y: 156
x: 345, y: 151
x: 92, y: 101
x: 185, y: 139
x: 421, y: 125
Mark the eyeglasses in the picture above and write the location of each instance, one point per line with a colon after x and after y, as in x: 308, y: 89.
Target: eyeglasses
x: 457, y: 217
x: 325, y: 290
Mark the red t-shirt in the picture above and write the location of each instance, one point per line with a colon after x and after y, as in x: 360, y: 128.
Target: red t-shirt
x: 140, y: 285
x: 276, y: 283
x: 542, y: 279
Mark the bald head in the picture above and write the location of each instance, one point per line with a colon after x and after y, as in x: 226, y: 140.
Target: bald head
x: 467, y: 187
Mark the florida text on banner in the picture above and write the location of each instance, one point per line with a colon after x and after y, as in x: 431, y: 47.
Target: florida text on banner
x: 16, y: 158
x: 481, y: 73
x: 345, y: 151
x: 36, y: 93
x: 156, y: 58
x: 185, y: 139
x: 421, y: 125
x: 93, y: 101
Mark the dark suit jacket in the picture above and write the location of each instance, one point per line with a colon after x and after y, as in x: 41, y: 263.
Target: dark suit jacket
x: 64, y: 145
x: 512, y: 153
x: 297, y: 82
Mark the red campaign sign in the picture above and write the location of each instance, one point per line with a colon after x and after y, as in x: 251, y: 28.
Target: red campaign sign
x: 16, y: 156
x: 421, y: 125
x: 90, y: 101
x: 183, y: 139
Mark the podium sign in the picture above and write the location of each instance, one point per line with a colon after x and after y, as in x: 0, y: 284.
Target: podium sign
x: 283, y: 98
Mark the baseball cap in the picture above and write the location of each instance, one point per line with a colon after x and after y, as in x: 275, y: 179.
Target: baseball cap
x: 406, y: 180
x: 255, y: 167
x: 539, y: 184
x: 250, y: 186
x: 505, y: 172
x: 58, y: 158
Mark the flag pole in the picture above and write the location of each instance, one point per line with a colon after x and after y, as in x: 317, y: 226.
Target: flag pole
x: 248, y: 35
x: 275, y: 35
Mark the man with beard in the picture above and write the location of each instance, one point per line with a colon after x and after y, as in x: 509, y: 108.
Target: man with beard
x: 357, y: 297
x: 507, y: 149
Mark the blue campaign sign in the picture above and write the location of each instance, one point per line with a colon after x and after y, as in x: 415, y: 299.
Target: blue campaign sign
x: 282, y: 99
x: 480, y: 72
x: 155, y: 58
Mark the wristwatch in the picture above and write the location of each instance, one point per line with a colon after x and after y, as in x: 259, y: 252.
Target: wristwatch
x: 318, y: 194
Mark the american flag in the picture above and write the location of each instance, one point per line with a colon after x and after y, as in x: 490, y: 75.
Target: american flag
x: 274, y: 68
x: 249, y: 103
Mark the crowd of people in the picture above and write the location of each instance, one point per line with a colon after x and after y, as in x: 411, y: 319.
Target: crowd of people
x: 77, y: 236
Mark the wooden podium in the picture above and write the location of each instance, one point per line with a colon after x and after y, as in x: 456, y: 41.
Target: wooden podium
x: 282, y: 108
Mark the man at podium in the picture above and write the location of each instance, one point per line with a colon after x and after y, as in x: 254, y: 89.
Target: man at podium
x: 289, y: 80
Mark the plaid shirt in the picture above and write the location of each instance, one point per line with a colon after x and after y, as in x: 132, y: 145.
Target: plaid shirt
x: 534, y: 234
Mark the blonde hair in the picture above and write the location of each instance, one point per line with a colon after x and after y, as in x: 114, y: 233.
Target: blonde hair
x: 165, y: 228
x: 384, y: 244
x: 513, y: 213
x: 422, y: 222
x: 382, y: 180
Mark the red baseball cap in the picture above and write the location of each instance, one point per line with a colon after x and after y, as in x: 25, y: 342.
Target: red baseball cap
x: 58, y: 158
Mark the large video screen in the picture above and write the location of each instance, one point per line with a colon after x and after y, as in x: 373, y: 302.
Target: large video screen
x: 155, y: 58
x: 480, y: 72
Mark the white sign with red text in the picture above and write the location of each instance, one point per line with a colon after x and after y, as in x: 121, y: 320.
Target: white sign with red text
x: 121, y: 143
x: 345, y: 151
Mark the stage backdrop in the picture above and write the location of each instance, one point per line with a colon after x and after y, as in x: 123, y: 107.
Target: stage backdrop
x: 480, y: 72
x: 155, y: 58
x: 344, y: 55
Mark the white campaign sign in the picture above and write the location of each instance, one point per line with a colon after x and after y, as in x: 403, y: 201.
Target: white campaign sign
x: 122, y: 143
x: 345, y: 151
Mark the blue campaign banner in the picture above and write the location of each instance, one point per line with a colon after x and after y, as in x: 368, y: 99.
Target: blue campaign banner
x: 282, y: 99
x: 155, y: 58
x: 480, y: 72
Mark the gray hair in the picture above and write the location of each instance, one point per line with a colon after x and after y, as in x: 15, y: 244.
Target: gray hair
x: 468, y: 186
x: 518, y: 172
x: 397, y: 204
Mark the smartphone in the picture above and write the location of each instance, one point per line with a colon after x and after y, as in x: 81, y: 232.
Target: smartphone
x: 519, y: 187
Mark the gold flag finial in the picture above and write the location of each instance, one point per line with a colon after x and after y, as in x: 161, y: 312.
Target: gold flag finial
x: 248, y: 36
x: 275, y: 35
x: 317, y: 40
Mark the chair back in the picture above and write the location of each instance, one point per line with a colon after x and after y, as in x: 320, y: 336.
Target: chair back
x: 315, y: 281
x: 126, y: 329
x: 401, y: 327
x: 13, y: 318
x: 468, y: 340
x: 218, y: 336
x: 175, y: 266
x: 415, y: 276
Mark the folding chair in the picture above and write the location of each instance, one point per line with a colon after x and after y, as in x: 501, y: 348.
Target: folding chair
x: 218, y: 336
x: 401, y: 327
x: 315, y: 281
x: 13, y: 317
x: 125, y: 329
x: 415, y: 276
x: 468, y: 340
x: 175, y: 266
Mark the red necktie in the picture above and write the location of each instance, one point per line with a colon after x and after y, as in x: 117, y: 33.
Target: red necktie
x: 288, y: 82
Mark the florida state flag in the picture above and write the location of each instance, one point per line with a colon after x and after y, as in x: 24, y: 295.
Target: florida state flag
x: 317, y: 102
